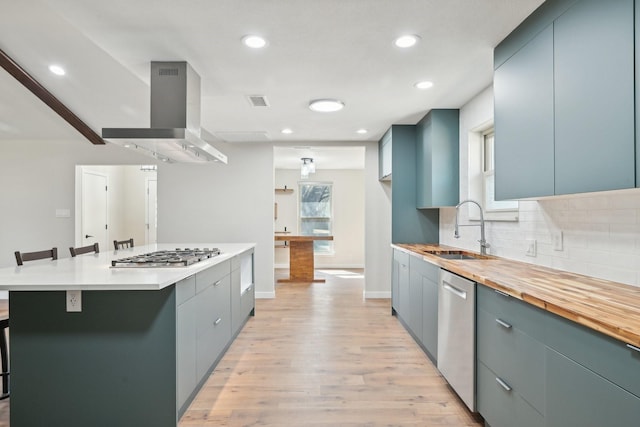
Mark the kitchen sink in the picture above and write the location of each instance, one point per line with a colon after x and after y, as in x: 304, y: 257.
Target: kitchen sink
x: 458, y: 256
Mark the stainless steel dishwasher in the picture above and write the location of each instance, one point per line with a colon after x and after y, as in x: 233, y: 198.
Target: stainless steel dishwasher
x: 456, y: 334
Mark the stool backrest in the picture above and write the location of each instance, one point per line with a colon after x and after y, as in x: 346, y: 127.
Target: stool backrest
x: 123, y: 244
x: 32, y: 256
x: 85, y: 249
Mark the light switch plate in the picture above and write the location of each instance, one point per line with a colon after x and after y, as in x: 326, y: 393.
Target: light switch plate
x: 557, y: 240
x: 531, y: 247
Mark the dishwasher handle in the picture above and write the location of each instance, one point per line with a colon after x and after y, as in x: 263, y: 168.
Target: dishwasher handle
x: 456, y: 291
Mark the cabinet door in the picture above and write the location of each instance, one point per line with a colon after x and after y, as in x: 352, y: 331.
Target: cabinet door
x: 594, y: 97
x: 524, y: 132
x: 430, y: 317
x: 577, y: 397
x: 385, y: 154
x: 236, y: 302
x: 415, y: 299
x: 186, y: 350
x: 403, y: 289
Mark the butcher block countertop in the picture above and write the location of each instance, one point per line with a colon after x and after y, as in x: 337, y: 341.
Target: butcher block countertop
x: 608, y: 307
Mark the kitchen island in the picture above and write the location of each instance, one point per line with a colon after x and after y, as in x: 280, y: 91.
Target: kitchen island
x: 142, y: 345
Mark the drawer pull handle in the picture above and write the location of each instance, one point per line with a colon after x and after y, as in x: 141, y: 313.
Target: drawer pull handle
x: 503, y: 384
x: 247, y: 290
x: 504, y: 294
x: 217, y: 283
x: 634, y: 348
x: 218, y: 320
x: 503, y: 324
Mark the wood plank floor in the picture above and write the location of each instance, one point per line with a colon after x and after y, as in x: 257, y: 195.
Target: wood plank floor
x: 321, y: 355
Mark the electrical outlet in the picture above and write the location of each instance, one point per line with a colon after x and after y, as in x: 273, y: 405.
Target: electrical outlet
x: 74, y: 301
x: 531, y: 247
x: 557, y: 240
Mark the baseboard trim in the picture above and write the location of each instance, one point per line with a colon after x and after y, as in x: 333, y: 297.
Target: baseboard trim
x: 377, y: 294
x: 265, y: 295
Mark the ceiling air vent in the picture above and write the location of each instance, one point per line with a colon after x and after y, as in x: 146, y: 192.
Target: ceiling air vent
x: 258, y: 101
x: 168, y: 71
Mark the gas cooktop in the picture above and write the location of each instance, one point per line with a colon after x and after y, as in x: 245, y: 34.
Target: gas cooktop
x: 168, y: 258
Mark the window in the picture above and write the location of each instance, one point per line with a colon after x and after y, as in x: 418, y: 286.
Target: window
x: 488, y: 171
x: 316, y: 212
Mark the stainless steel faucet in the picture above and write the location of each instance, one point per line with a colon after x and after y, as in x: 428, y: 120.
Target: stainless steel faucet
x: 483, y: 243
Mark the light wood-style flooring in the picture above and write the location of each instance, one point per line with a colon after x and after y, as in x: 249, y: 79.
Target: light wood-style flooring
x: 321, y: 355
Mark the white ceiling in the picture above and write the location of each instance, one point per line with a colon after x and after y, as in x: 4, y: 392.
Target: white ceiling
x: 316, y: 49
x: 324, y: 157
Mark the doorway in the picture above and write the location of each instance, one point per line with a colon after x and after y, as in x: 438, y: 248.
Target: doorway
x: 130, y: 200
x: 343, y: 169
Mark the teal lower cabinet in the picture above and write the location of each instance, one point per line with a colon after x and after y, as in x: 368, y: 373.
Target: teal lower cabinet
x: 414, y: 294
x: 579, y: 397
x: 400, y: 284
x: 510, y: 360
x: 537, y: 369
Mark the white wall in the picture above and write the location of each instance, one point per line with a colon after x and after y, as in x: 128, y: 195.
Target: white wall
x: 601, y: 230
x: 195, y: 203
x: 348, y: 215
x: 223, y: 203
x: 38, y: 177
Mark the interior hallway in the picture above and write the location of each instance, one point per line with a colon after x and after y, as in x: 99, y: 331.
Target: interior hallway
x: 320, y: 355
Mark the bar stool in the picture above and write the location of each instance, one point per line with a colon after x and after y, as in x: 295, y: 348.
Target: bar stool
x: 85, y: 249
x: 123, y: 244
x: 32, y: 256
x: 21, y: 257
x: 4, y: 359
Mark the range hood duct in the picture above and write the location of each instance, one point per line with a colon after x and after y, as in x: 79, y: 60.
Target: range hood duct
x: 175, y: 134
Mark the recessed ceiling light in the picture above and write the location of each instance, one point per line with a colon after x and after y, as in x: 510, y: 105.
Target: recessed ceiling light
x: 255, y: 42
x: 57, y: 70
x: 286, y: 131
x: 361, y: 131
x: 326, y: 105
x: 406, y: 40
x: 424, y: 85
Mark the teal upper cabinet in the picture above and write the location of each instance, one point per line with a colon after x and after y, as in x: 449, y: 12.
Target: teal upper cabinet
x: 437, y: 157
x: 594, y: 97
x: 408, y: 224
x: 384, y: 155
x: 565, y: 101
x: 523, y: 91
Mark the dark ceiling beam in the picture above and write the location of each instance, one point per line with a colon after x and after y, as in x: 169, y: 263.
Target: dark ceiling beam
x: 47, y: 97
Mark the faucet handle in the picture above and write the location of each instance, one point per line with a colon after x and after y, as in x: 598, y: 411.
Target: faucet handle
x: 484, y: 244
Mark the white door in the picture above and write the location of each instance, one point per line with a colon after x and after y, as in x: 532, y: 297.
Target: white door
x: 152, y: 211
x: 94, y: 209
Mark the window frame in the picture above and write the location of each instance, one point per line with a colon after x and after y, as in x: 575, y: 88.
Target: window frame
x: 321, y: 247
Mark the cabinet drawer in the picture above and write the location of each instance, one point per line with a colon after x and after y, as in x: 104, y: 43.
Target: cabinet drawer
x: 519, y: 314
x: 501, y: 405
x: 185, y: 289
x: 494, y: 402
x: 212, y: 275
x: 401, y: 257
x: 606, y: 356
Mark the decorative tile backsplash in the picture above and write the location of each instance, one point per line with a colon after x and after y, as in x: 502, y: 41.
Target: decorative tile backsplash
x: 600, y: 234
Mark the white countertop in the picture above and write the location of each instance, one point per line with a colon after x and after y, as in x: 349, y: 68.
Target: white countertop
x: 94, y: 272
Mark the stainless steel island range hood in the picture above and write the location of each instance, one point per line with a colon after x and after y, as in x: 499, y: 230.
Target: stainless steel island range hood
x: 175, y: 134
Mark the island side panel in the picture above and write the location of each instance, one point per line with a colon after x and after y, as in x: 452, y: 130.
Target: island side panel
x: 113, y: 364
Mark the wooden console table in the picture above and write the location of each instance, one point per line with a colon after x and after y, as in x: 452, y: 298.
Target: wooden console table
x: 301, y: 267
